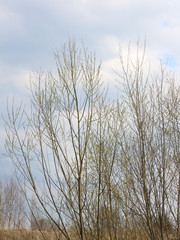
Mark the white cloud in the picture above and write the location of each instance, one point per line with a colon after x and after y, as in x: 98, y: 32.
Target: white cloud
x: 22, y: 79
x: 19, y: 78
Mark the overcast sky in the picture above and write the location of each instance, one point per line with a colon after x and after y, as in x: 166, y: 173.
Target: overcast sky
x: 30, y: 30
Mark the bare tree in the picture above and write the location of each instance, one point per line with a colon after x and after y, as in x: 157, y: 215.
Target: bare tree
x: 55, y: 137
x: 149, y: 146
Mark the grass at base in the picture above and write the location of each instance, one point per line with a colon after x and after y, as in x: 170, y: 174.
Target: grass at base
x: 27, y: 235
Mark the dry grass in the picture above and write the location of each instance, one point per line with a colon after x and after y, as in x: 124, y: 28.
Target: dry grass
x: 28, y: 235
x: 24, y: 234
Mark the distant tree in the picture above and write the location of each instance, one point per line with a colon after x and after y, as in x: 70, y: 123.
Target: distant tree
x: 12, y: 206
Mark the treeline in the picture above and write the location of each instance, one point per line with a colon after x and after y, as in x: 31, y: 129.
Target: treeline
x: 12, y: 206
x: 100, y: 168
x: 14, y: 211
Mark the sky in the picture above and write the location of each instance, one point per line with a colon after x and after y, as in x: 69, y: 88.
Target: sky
x: 31, y: 30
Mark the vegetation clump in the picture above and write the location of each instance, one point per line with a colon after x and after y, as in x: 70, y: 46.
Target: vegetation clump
x: 99, y: 168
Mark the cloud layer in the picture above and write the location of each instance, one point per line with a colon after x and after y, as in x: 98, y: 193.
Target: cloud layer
x: 31, y: 30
